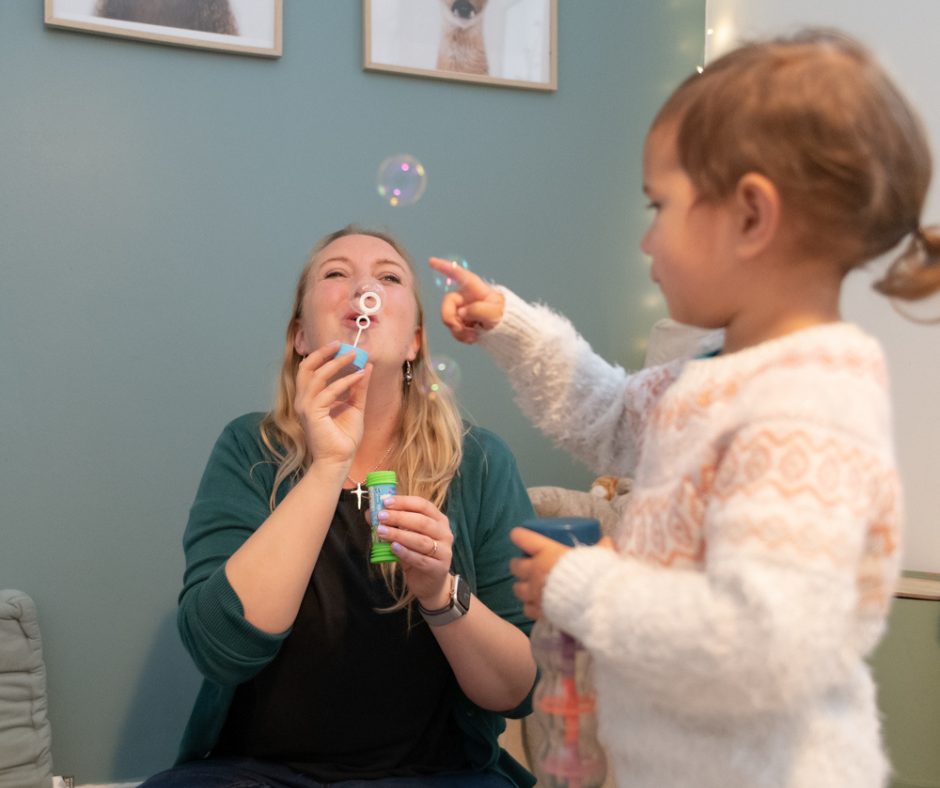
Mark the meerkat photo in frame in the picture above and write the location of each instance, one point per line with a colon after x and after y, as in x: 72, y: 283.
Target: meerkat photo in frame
x: 501, y: 42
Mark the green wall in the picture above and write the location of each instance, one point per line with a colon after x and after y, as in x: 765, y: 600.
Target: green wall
x: 906, y: 667
x: 156, y: 206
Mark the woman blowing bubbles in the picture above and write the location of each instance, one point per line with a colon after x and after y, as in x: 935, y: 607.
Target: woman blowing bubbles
x: 318, y: 667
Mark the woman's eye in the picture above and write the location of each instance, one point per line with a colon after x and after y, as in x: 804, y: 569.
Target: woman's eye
x: 333, y: 274
x: 392, y: 278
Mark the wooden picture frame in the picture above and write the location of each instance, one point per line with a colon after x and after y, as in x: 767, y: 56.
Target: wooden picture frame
x: 510, y: 43
x: 246, y: 27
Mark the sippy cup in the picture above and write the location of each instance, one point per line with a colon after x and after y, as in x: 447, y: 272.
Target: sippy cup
x: 562, y: 730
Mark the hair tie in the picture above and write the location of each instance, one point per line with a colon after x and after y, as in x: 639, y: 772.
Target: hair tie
x: 929, y: 241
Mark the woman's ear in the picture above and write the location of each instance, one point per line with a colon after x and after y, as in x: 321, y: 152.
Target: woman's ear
x: 757, y: 203
x: 416, y: 344
x: 300, y: 340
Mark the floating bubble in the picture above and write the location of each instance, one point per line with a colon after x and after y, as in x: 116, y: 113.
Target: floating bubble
x: 366, y: 297
x: 401, y: 180
x: 439, y: 374
x: 445, y: 282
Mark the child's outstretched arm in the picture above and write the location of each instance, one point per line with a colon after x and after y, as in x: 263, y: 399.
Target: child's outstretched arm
x: 593, y: 409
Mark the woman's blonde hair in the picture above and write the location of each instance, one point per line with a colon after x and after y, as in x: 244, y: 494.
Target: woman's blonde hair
x: 428, y: 436
x: 818, y: 116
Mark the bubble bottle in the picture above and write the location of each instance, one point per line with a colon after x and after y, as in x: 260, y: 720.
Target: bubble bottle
x: 365, y: 298
x: 561, y: 733
x: 381, y: 485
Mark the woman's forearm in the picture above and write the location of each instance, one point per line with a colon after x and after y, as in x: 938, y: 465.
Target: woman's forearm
x: 490, y: 657
x: 271, y: 570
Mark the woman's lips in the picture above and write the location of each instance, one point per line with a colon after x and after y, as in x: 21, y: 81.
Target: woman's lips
x: 350, y: 320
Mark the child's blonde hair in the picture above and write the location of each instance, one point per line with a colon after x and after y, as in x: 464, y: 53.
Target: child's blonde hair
x: 428, y: 436
x: 818, y: 116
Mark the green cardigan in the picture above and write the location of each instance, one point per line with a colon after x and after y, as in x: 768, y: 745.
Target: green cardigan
x: 485, y: 500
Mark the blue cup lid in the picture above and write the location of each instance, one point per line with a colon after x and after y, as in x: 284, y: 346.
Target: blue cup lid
x: 570, y: 531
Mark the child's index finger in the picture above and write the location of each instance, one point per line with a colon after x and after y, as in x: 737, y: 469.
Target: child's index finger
x: 528, y: 541
x: 468, y: 281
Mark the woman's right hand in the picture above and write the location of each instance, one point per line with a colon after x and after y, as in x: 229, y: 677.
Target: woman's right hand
x: 333, y: 426
x: 473, y: 306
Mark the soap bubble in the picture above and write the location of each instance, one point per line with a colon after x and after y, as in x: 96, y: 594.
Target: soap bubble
x: 439, y: 373
x: 401, y: 180
x: 445, y: 282
x: 366, y: 297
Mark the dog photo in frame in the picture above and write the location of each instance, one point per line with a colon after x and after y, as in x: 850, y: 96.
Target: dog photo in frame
x: 247, y: 27
x: 512, y: 43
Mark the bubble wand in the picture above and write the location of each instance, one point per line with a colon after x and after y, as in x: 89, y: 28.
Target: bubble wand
x: 366, y: 298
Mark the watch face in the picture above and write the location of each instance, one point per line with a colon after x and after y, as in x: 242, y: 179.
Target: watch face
x: 462, y: 593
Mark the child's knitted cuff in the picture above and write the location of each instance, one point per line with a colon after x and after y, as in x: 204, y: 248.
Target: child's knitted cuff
x: 518, y: 327
x: 571, y: 587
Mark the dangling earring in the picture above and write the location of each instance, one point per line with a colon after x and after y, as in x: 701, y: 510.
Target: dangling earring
x: 409, y: 375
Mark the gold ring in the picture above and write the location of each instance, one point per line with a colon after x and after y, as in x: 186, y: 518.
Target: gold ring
x: 433, y: 549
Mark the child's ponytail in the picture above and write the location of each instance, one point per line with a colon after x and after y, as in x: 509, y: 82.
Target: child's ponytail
x: 916, y: 272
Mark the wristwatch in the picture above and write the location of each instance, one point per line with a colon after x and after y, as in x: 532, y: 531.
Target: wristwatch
x: 457, y: 607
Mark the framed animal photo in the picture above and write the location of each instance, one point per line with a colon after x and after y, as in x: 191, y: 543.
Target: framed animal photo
x: 512, y: 43
x: 247, y: 27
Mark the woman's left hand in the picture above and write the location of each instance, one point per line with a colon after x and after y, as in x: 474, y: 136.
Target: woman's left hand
x: 421, y: 538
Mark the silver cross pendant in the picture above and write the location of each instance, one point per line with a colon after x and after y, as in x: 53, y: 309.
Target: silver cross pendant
x: 359, y: 492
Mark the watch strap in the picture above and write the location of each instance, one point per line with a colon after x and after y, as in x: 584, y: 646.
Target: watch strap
x: 453, y: 610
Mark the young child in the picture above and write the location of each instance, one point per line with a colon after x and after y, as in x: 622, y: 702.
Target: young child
x: 755, y: 564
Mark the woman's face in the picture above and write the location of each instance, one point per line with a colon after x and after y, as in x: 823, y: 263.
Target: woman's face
x: 327, y: 314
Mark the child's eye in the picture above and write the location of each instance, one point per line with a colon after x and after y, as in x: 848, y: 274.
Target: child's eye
x: 652, y: 206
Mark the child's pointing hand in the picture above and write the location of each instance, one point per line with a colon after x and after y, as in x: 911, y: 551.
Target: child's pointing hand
x: 474, y: 305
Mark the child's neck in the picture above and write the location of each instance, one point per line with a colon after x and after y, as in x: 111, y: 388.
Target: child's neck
x: 788, y: 297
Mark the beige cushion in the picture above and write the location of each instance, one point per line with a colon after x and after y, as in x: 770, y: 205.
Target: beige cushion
x: 25, y: 736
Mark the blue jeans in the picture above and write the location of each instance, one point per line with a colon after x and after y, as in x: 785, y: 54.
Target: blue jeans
x: 249, y: 773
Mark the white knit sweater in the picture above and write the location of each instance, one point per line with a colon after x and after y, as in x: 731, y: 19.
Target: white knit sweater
x: 756, y: 560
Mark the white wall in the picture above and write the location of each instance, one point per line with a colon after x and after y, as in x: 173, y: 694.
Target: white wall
x: 902, y: 33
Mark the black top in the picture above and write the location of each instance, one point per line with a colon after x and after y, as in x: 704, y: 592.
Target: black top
x: 353, y: 693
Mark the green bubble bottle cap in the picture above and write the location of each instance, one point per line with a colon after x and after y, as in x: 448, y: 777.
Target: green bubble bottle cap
x: 382, y: 554
x: 380, y: 477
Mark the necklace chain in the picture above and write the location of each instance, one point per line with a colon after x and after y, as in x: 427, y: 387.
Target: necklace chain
x: 387, y: 452
x: 359, y: 492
